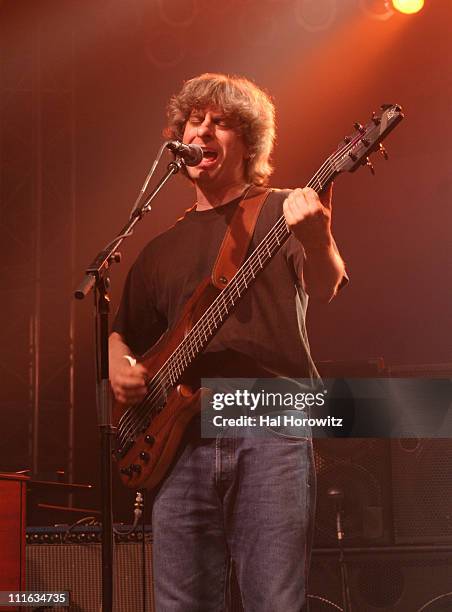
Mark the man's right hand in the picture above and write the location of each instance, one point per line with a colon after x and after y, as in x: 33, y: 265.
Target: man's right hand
x: 128, y: 381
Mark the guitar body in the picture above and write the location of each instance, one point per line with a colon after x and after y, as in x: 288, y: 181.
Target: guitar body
x: 146, y: 462
x: 155, y: 449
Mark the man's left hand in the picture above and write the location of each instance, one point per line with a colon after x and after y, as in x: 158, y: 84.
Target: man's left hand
x: 309, y: 217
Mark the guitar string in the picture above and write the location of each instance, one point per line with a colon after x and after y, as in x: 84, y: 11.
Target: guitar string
x: 133, y: 417
x: 137, y: 416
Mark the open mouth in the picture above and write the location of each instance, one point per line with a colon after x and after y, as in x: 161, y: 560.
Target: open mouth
x: 209, y: 154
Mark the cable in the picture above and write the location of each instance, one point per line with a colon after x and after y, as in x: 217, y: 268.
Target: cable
x: 138, y: 512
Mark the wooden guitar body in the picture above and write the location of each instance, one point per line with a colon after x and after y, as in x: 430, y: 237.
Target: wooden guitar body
x: 148, y: 460
x: 149, y: 451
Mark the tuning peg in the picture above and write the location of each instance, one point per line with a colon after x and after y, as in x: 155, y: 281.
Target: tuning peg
x: 375, y: 118
x: 360, y: 128
x: 370, y: 165
x: 385, y: 106
x: 383, y: 151
x: 347, y: 140
x: 365, y: 141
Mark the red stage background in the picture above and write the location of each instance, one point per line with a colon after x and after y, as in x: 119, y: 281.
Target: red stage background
x: 83, y: 91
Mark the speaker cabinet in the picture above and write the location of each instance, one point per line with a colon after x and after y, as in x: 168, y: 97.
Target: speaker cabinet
x: 422, y: 471
x: 360, y: 468
x: 411, y: 581
x: 422, y: 486
x: 76, y: 567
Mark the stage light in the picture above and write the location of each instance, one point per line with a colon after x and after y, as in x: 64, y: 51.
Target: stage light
x: 408, y: 7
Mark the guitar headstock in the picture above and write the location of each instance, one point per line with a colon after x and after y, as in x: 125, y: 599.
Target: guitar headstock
x: 367, y: 139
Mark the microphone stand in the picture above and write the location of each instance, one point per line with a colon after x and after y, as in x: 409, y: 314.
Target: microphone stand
x: 337, y: 496
x: 96, y: 278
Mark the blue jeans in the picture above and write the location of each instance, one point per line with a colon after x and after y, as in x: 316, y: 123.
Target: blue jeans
x: 251, y: 499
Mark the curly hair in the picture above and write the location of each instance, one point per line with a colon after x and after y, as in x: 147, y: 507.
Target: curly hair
x: 238, y: 98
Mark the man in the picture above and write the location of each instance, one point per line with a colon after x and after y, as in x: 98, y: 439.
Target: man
x: 245, y: 498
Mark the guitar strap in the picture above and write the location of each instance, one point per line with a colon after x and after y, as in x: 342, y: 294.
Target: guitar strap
x: 238, y: 236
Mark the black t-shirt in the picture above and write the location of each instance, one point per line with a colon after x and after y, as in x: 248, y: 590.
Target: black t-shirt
x: 267, y: 326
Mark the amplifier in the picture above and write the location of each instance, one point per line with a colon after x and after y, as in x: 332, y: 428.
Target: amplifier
x: 389, y: 579
x: 63, y: 560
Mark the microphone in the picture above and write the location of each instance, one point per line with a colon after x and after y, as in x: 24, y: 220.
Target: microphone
x: 191, y: 153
